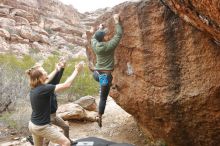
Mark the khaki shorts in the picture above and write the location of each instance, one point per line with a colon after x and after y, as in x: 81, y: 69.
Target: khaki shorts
x: 46, y: 131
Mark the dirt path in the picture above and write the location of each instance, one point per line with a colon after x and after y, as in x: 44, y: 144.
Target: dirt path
x: 118, y: 126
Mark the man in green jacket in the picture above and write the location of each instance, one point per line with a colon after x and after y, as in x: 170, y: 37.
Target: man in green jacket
x: 104, y: 51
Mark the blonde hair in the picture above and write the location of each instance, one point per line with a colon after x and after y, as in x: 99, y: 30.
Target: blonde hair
x: 34, y: 75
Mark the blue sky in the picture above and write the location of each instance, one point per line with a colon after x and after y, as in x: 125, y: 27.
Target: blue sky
x: 90, y: 5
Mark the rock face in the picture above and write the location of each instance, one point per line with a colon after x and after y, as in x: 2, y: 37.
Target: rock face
x: 167, y: 71
x: 37, y: 24
x: 204, y: 15
x: 87, y: 102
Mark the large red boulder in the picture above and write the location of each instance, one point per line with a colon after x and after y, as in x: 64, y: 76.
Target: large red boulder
x: 167, y: 70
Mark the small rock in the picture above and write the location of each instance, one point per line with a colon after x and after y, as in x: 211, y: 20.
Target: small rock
x: 13, y: 133
x: 16, y: 138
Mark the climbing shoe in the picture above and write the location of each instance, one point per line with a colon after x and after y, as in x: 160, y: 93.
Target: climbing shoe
x: 30, y: 139
x: 99, y: 121
x: 73, y: 142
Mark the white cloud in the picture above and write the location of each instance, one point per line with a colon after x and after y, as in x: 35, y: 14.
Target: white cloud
x: 91, y: 5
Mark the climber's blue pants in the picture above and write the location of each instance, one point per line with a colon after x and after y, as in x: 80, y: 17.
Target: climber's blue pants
x: 104, y: 90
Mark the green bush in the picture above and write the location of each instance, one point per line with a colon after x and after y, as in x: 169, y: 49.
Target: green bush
x: 12, y: 61
x: 13, y: 81
x: 55, y: 52
x: 82, y: 86
x: 49, y: 30
x: 7, y: 119
x: 34, y: 50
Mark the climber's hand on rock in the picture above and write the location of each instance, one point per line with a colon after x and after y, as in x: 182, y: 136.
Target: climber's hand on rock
x: 101, y: 26
x: 92, y: 30
x: 116, y: 18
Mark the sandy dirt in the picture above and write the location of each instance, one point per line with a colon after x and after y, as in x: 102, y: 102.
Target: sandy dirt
x: 118, y: 126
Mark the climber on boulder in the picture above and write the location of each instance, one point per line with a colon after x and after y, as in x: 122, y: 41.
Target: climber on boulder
x: 104, y: 51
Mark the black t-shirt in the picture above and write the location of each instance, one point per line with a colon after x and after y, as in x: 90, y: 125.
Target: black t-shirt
x: 40, y: 103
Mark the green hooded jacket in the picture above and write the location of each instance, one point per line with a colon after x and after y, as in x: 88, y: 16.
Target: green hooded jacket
x: 105, y: 50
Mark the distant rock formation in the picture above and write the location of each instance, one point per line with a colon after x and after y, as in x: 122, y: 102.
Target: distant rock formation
x: 40, y: 26
x: 167, y: 68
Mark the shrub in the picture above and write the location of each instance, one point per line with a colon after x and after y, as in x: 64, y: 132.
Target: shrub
x: 34, y: 50
x: 83, y: 85
x: 6, y: 118
x: 13, y: 81
x: 55, y: 52
x: 12, y: 62
x: 49, y: 30
x: 15, y: 88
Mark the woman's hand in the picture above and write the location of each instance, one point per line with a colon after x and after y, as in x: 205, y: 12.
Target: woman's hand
x: 57, y: 67
x: 79, y: 66
x: 62, y: 63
